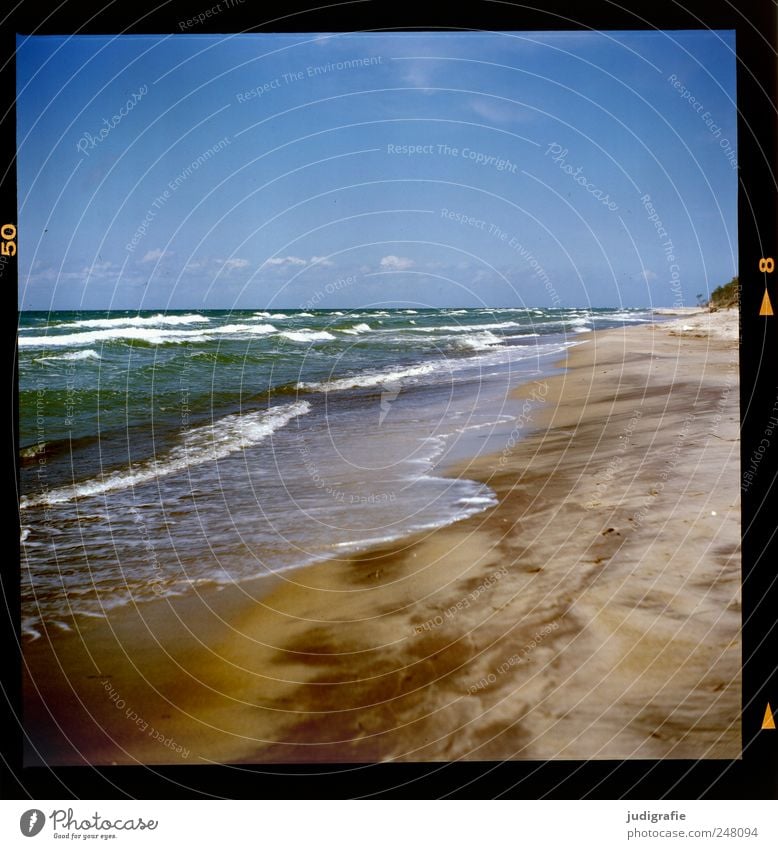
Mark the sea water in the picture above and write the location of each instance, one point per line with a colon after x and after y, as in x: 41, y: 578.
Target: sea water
x: 166, y: 450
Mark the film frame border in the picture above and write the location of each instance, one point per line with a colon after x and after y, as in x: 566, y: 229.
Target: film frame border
x: 755, y: 774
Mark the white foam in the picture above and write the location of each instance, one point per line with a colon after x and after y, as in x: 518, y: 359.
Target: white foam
x: 477, y: 499
x: 356, y: 329
x: 478, y: 341
x: 259, y: 329
x: 625, y: 316
x: 579, y: 323
x: 158, y: 320
x: 264, y: 314
x: 151, y: 335
x: 28, y: 629
x: 306, y: 335
x: 468, y: 328
x: 492, y: 354
x: 204, y: 444
x: 365, y: 380
x: 74, y: 355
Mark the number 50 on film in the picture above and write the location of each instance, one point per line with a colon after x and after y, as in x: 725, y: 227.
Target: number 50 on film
x: 8, y: 245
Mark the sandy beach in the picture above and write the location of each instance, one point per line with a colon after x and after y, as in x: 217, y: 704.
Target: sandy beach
x: 594, y: 612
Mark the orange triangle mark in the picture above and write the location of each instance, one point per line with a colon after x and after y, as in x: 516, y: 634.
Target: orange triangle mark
x: 766, y: 309
x: 768, y: 721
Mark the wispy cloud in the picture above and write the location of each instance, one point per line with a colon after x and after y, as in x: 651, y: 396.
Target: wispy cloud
x: 418, y: 73
x: 396, y: 263
x: 496, y: 111
x: 230, y: 264
x: 154, y: 255
x: 99, y: 269
x: 280, y: 261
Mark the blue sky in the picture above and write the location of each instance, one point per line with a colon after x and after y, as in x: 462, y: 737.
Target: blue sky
x: 469, y: 169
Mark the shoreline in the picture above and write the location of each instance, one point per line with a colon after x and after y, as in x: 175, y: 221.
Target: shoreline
x: 592, y: 613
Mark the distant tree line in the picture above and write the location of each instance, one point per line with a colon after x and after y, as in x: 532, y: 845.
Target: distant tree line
x: 725, y: 296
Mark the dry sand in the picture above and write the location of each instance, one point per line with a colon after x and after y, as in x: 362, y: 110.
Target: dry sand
x: 593, y: 613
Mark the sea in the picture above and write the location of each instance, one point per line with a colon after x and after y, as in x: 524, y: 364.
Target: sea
x: 161, y: 451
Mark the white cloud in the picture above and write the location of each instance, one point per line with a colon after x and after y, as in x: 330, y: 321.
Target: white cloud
x: 229, y: 264
x: 396, y: 263
x: 419, y: 73
x: 97, y: 269
x: 153, y: 256
x: 647, y: 275
x: 47, y: 274
x: 495, y: 111
x: 322, y: 261
x: 286, y: 260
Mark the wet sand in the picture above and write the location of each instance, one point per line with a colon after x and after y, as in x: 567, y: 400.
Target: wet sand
x: 593, y: 613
